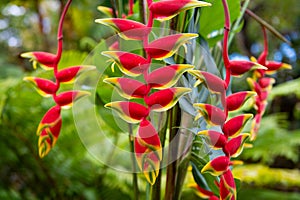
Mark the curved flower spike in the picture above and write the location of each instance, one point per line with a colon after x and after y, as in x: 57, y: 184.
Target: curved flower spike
x: 129, y: 88
x: 48, y: 138
x: 165, y: 47
x: 45, y: 59
x: 212, y: 114
x: 166, y: 77
x: 129, y: 63
x: 127, y: 29
x: 68, y: 75
x: 44, y: 87
x: 239, y: 67
x: 235, y: 125
x: 216, y: 139
x: 217, y: 166
x: 227, y: 186
x: 167, y: 9
x: 48, y: 130
x: 66, y: 99
x: 130, y: 112
x: 235, y: 146
x: 148, y: 150
x: 274, y: 66
x: 165, y: 99
x: 237, y: 100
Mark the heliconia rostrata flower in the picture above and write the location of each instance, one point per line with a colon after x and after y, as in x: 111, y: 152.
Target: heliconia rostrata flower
x: 49, y: 128
x: 157, y: 90
x: 262, y: 85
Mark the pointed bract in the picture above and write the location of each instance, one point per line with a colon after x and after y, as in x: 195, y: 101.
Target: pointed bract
x: 235, y: 146
x: 171, y: 44
x: 131, y: 112
x: 127, y: 29
x: 167, y: 9
x: 216, y: 139
x: 227, y: 186
x: 43, y: 86
x: 51, y: 118
x: 129, y: 63
x: 239, y: 67
x: 212, y: 114
x: 68, y: 75
x: 166, y: 77
x: 237, y: 100
x: 129, y: 88
x: 217, y: 166
x: 274, y: 66
x: 66, y: 99
x: 235, y: 125
x: 47, y: 60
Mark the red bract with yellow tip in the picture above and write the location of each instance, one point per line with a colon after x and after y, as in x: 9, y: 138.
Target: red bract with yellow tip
x: 212, y: 114
x: 66, y: 99
x: 46, y: 60
x: 237, y: 100
x: 127, y: 29
x: 68, y: 75
x: 129, y: 88
x: 129, y: 63
x: 131, y: 112
x: 227, y: 186
x: 171, y: 43
x: 167, y: 9
x: 217, y: 166
x: 235, y: 146
x: 235, y: 125
x: 167, y: 76
x: 165, y: 99
x: 148, y: 150
x: 44, y: 87
x: 239, y: 67
x: 216, y: 139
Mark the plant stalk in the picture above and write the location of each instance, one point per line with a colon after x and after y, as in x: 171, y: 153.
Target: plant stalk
x: 134, y: 174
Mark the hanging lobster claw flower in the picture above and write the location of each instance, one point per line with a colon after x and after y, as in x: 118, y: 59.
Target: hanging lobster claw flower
x: 239, y: 67
x: 266, y: 82
x: 274, y: 66
x: 167, y: 9
x: 227, y: 186
x: 48, y: 130
x: 44, y: 87
x: 212, y: 114
x: 165, y: 47
x: 237, y: 100
x: 45, y: 59
x: 216, y: 139
x: 130, y: 112
x: 255, y: 126
x: 129, y: 63
x: 166, y: 77
x: 68, y: 75
x: 129, y: 88
x: 165, y: 99
x: 219, y: 165
x: 235, y: 125
x: 235, y: 146
x: 127, y: 29
x: 148, y: 150
x: 66, y: 99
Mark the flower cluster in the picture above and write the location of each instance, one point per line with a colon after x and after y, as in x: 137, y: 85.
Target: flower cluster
x: 230, y: 139
x: 49, y: 127
x: 262, y: 85
x: 156, y: 91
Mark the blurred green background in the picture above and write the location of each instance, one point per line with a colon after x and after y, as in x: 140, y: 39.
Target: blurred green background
x: 271, y: 169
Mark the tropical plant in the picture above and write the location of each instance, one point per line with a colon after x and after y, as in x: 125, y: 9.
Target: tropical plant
x: 162, y: 53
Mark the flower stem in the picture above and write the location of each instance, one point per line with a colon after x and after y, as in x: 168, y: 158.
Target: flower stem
x: 134, y: 174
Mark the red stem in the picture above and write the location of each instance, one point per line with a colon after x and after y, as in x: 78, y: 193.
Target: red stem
x: 225, y: 43
x: 60, y: 31
x: 131, y: 3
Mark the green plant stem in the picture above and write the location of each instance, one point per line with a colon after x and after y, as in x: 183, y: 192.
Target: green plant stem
x: 174, y: 120
x: 134, y: 174
x: 267, y: 26
x: 238, y: 21
x: 142, y: 11
x: 156, y: 189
